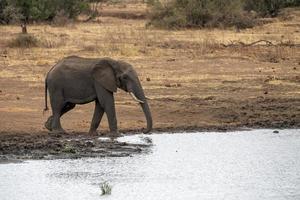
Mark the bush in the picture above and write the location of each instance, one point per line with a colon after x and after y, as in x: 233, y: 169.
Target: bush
x: 213, y: 13
x: 200, y: 13
x: 269, y: 7
x: 24, y: 41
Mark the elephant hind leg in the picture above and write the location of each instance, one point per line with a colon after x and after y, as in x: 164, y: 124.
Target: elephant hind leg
x: 57, y: 105
x: 48, y: 123
x: 67, y: 107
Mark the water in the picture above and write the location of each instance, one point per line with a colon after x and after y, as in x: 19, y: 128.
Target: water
x: 247, y: 165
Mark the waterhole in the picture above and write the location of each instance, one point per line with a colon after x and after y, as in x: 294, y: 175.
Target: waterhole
x: 256, y: 164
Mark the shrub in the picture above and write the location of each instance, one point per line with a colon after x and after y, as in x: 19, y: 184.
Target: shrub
x: 269, y: 7
x: 168, y: 16
x: 24, y: 41
x: 200, y: 13
x: 213, y: 13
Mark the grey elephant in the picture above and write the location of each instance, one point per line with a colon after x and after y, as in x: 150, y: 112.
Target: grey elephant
x: 75, y: 80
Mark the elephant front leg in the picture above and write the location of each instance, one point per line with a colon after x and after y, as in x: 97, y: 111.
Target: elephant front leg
x: 107, y: 101
x: 112, y: 120
x: 98, y: 113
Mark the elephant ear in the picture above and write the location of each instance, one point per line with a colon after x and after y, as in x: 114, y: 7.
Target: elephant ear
x: 103, y: 73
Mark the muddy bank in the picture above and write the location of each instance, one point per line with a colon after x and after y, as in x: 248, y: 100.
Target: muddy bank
x: 14, y: 148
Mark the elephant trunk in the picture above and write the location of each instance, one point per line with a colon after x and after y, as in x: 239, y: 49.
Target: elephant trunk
x: 139, y: 93
x: 147, y: 113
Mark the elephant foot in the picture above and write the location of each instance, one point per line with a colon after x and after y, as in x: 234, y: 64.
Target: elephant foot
x: 115, y: 134
x: 48, y: 123
x: 93, y: 133
x: 57, y: 132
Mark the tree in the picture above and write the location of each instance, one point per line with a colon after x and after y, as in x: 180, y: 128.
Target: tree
x: 40, y: 10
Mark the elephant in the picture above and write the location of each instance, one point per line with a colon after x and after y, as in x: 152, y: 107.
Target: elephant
x: 77, y: 80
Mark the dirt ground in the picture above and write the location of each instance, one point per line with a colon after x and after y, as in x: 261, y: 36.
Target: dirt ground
x: 197, y: 79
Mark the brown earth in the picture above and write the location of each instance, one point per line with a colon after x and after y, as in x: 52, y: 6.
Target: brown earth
x: 197, y: 80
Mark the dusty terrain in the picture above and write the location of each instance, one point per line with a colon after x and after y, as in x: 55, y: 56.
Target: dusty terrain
x: 198, y: 79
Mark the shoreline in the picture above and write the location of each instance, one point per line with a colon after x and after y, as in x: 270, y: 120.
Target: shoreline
x: 17, y: 147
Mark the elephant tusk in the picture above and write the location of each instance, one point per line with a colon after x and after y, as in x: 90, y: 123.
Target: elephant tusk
x: 135, y: 98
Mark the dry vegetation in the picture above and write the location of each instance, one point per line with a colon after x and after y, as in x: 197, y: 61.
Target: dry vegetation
x: 196, y: 78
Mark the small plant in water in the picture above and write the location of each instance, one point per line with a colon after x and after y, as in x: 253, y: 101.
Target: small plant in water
x: 105, y: 188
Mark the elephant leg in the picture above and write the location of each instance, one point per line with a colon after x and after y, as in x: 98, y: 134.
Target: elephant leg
x: 57, y: 104
x: 66, y: 108
x: 98, y: 114
x: 107, y: 101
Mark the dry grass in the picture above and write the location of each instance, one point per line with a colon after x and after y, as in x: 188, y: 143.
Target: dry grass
x: 24, y: 41
x: 117, y: 38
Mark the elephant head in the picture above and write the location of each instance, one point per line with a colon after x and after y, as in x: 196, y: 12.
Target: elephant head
x: 112, y: 74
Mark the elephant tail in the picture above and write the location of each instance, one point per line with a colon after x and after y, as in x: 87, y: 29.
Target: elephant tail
x: 46, y: 88
x: 46, y: 105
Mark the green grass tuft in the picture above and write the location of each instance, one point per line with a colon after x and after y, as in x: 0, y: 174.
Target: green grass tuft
x: 105, y: 188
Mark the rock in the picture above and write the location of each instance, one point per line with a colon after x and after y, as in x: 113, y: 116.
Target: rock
x: 171, y: 60
x: 209, y: 98
x: 173, y: 85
